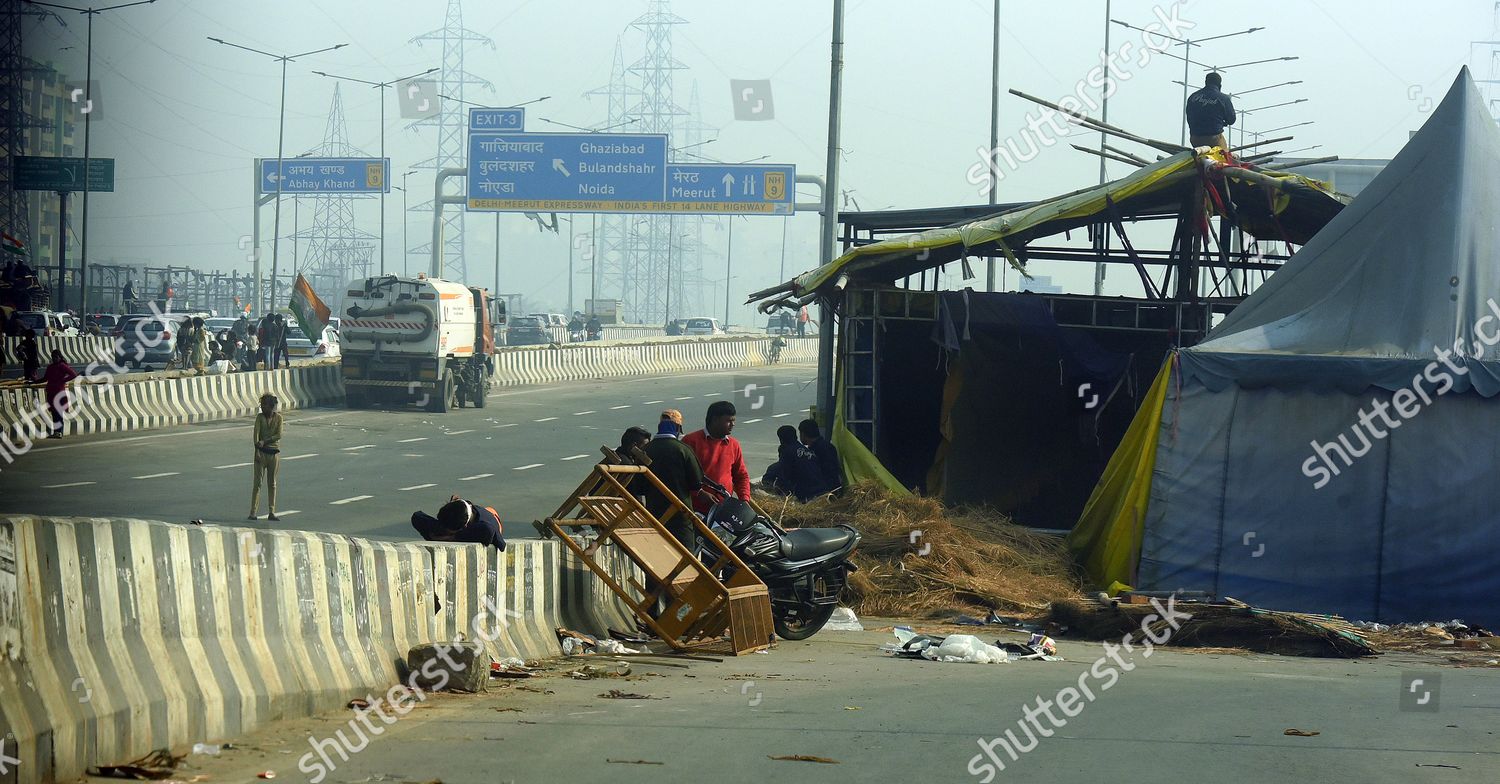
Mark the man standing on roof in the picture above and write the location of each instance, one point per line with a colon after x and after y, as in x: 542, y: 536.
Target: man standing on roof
x: 1208, y: 111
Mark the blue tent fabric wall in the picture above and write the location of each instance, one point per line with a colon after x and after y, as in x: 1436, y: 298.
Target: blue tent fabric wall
x: 1398, y: 292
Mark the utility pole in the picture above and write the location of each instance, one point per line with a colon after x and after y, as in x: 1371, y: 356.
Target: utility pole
x: 1101, y: 240
x: 280, y: 163
x: 994, y: 134
x: 830, y: 212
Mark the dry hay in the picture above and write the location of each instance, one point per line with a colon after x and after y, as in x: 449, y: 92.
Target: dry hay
x: 978, y: 559
x: 1215, y: 626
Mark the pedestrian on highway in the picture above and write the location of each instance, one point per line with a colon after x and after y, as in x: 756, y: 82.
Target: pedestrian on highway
x: 59, y: 373
x: 719, y: 453
x: 830, y: 470
x: 278, y: 349
x: 127, y: 297
x: 31, y: 359
x: 165, y: 300
x: 251, y: 353
x: 674, y: 463
x: 794, y: 473
x: 461, y: 521
x: 199, y: 350
x: 802, y: 322
x: 267, y: 434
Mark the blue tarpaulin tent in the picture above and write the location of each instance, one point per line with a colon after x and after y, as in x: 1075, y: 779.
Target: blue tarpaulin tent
x: 1332, y: 446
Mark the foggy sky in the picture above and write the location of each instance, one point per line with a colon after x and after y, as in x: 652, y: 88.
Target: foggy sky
x: 185, y: 117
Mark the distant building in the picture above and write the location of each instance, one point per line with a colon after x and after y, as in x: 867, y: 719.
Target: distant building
x: 1040, y: 284
x: 52, y: 133
x: 1348, y: 176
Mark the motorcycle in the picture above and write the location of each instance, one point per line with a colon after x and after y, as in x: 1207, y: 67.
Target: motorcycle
x: 805, y: 569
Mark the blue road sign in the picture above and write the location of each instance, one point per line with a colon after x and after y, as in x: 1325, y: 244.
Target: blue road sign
x: 496, y: 120
x: 327, y: 175
x: 567, y: 172
x: 731, y: 188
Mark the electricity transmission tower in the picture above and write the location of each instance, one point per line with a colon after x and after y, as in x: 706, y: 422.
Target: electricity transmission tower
x: 451, y: 123
x: 337, y: 251
x: 15, y: 218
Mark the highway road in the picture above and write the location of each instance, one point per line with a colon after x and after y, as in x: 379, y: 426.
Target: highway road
x: 363, y: 473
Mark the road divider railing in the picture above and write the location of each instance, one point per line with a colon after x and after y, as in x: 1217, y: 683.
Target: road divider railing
x: 77, y: 350
x: 121, y: 636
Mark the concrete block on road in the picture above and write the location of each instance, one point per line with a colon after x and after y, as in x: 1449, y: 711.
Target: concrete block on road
x: 449, y: 666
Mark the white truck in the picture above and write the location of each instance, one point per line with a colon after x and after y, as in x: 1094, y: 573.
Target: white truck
x: 417, y: 340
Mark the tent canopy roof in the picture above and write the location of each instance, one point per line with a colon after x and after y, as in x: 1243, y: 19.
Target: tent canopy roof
x: 1301, y: 207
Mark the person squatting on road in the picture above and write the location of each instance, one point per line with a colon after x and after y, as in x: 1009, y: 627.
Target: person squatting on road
x: 461, y: 521
x: 59, y: 373
x: 268, y: 424
x: 719, y: 453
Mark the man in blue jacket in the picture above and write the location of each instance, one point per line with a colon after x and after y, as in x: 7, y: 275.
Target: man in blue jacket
x: 1209, y: 110
x: 825, y: 455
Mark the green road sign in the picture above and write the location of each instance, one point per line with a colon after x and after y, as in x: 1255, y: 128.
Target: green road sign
x: 41, y: 173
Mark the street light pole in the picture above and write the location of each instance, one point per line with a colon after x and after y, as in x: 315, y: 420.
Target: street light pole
x: 88, y: 78
x: 280, y: 162
x: 382, y: 87
x: 405, y: 243
x: 989, y: 276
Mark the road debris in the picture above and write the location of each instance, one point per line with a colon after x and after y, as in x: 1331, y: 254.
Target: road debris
x: 633, y: 762
x: 589, y: 672
x: 802, y: 758
x: 843, y: 620
x: 616, y: 694
x: 1301, y: 733
x: 358, y: 704
x: 153, y: 766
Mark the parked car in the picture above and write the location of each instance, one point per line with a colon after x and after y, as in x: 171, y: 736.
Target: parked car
x: 149, y: 340
x: 527, y: 331
x: 297, y: 344
x: 783, y: 323
x: 552, y: 319
x: 702, y: 326
x: 47, y: 323
x: 105, y: 321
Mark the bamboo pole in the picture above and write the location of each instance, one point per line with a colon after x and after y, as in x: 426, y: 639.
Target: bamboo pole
x: 1098, y: 125
x: 1130, y: 155
x: 1308, y: 162
x: 1261, y: 142
x: 1120, y: 158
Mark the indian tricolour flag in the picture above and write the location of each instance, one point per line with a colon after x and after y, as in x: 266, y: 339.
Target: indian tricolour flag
x: 11, y: 245
x: 312, y: 314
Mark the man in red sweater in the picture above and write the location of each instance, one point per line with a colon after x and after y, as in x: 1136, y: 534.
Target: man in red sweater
x: 719, y: 453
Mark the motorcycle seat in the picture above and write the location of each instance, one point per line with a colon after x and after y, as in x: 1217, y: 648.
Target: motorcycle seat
x: 805, y: 543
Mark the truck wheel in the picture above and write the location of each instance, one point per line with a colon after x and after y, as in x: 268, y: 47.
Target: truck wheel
x: 443, y: 397
x: 480, y: 391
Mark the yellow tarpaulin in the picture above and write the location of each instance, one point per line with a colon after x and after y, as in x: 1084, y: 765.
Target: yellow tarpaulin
x: 1107, y: 539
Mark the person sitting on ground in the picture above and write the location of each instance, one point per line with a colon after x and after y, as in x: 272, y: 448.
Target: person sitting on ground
x: 1208, y: 111
x: 461, y: 521
x: 675, y: 465
x: 59, y: 373
x: 795, y: 472
x: 830, y: 471
x: 719, y: 453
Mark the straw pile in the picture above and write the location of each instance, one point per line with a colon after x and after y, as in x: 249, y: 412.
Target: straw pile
x: 918, y: 559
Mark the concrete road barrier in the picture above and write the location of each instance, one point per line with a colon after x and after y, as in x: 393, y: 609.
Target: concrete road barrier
x: 113, y: 404
x: 121, y: 636
x: 575, y: 362
x: 77, y: 350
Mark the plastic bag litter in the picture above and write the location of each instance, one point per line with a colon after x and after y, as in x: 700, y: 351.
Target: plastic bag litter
x: 965, y: 648
x: 572, y: 646
x: 843, y: 620
x: 613, y: 646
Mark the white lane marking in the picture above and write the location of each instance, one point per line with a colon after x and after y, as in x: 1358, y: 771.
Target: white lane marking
x: 299, y: 457
x: 74, y: 484
x: 349, y: 500
x: 188, y: 432
x: 361, y: 446
x: 157, y: 476
x: 476, y: 476
x: 289, y: 512
x: 457, y: 432
x: 527, y: 467
x: 412, y: 440
x: 778, y: 416
x: 617, y: 408
x: 232, y: 465
x: 582, y: 413
x: 712, y: 394
x: 575, y: 457
x: 421, y: 486
x: 544, y: 419
x: 789, y: 384
x: 689, y: 397
x: 507, y: 424
x: 650, y: 402
x: 750, y: 421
